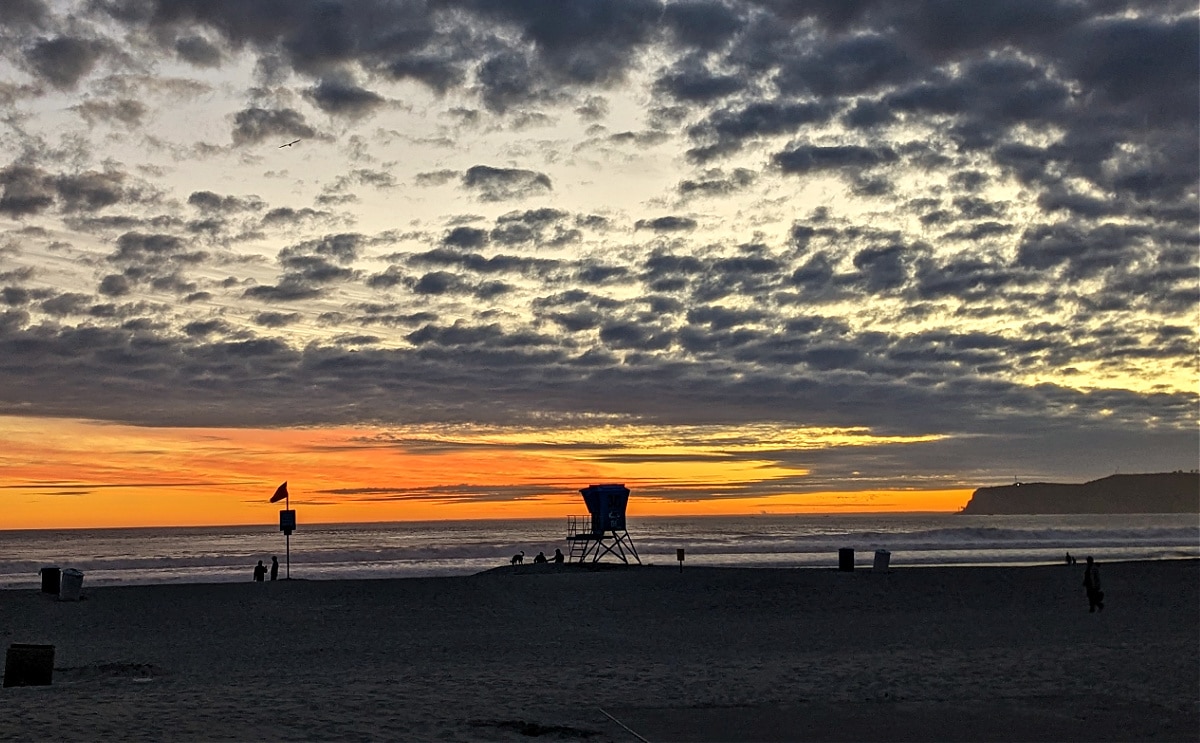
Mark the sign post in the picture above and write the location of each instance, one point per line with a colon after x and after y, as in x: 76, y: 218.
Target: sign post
x: 287, y: 522
x: 679, y: 556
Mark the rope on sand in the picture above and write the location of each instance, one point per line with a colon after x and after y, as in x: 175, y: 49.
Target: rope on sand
x: 627, y: 728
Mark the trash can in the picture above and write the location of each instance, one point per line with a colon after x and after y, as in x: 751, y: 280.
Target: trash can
x: 72, y: 585
x: 49, y: 575
x: 28, y: 665
x: 882, y: 558
x: 846, y: 559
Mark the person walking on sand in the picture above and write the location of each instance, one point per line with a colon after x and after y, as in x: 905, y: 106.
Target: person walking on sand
x: 274, y: 567
x: 260, y: 572
x: 1091, y: 584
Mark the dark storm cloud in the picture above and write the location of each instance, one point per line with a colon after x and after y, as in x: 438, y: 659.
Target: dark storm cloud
x: 253, y: 125
x: 544, y: 227
x: 446, y: 257
x: 727, y: 130
x: 343, y: 98
x: 29, y: 190
x: 209, y: 202
x: 1081, y: 253
x: 437, y: 177
x: 808, y: 158
x: 466, y: 237
x: 703, y: 24
x: 114, y: 285
x: 198, y: 51
x: 504, y: 184
x: 690, y: 81
x: 343, y: 247
x: 666, y: 224
x: 63, y: 60
x: 847, y: 66
x: 583, y: 41
x: 276, y: 319
x: 290, y: 289
x: 23, y: 12
x: 285, y: 215
x: 717, y: 183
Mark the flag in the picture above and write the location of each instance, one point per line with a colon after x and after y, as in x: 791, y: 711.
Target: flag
x: 280, y: 493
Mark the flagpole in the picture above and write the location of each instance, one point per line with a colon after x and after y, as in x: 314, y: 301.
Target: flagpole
x: 287, y: 502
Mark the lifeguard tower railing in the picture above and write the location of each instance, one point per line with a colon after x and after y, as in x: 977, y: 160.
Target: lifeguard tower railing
x: 602, y: 532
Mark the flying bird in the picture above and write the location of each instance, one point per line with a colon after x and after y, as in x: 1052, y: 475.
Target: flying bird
x: 289, y: 144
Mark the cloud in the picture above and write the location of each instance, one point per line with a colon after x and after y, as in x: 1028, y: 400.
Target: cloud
x: 342, y: 97
x: 926, y: 217
x: 198, y: 51
x: 253, y: 125
x: 808, y: 158
x: 666, y: 224
x: 504, y: 184
x: 63, y: 61
x: 125, y: 111
x: 29, y: 190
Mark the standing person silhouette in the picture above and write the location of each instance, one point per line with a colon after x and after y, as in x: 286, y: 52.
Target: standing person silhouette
x: 1091, y: 584
x: 260, y: 572
x: 274, y: 567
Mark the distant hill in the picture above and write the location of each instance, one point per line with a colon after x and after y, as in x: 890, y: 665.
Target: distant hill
x: 1166, y: 492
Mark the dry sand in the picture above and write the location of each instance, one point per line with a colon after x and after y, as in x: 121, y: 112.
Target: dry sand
x: 552, y: 653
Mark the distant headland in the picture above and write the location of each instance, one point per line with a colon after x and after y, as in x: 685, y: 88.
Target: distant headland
x: 1164, y: 492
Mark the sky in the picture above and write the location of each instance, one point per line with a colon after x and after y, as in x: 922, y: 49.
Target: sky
x: 459, y: 258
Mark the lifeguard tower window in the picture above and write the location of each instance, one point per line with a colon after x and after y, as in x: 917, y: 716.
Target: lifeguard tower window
x: 603, y: 531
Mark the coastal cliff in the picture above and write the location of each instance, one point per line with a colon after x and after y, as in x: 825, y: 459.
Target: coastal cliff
x: 1166, y: 492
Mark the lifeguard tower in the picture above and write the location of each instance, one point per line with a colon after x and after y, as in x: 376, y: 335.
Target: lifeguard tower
x: 602, y: 532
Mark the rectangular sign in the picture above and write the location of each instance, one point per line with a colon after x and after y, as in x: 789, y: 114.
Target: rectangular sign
x: 287, y: 521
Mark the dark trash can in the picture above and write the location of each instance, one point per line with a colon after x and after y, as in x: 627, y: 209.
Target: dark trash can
x: 28, y: 665
x: 50, y: 579
x: 846, y: 559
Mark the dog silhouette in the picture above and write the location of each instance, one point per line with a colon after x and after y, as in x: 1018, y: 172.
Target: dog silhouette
x: 518, y: 558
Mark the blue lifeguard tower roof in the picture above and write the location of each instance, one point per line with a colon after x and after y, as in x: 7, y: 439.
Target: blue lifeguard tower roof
x: 607, y: 504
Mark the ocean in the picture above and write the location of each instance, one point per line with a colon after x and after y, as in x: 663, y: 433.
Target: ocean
x: 444, y: 548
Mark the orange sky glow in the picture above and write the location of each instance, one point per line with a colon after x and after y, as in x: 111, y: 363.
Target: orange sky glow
x: 77, y: 474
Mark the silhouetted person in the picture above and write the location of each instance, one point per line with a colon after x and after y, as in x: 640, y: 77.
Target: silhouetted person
x: 541, y: 557
x: 274, y: 567
x: 558, y: 556
x: 1069, y: 561
x: 1091, y: 584
x: 260, y: 572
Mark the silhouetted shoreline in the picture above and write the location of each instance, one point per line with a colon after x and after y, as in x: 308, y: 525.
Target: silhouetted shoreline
x: 1158, y: 493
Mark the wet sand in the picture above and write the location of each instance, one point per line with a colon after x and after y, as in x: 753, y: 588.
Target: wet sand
x: 552, y: 653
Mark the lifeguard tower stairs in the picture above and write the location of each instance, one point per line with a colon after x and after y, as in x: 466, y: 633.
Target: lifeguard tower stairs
x: 602, y: 532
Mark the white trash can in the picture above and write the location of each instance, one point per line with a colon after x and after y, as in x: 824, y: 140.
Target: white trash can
x: 882, y: 558
x: 71, y: 585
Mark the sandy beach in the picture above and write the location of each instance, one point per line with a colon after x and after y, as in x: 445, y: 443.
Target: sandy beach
x: 561, y: 653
